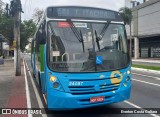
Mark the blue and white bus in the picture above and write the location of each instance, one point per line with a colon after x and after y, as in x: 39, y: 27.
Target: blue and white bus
x: 80, y: 57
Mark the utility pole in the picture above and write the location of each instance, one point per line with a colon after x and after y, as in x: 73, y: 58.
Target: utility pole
x: 17, y: 56
x: 15, y: 12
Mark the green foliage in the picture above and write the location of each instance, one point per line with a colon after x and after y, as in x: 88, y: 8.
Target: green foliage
x: 1, y: 4
x: 6, y: 24
x: 147, y: 67
x: 6, y: 27
x: 126, y: 14
x: 28, y: 29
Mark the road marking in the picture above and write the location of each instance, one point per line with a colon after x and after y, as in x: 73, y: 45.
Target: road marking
x: 157, y: 78
x: 146, y: 82
x: 45, y: 98
x: 36, y: 91
x: 132, y: 104
x: 136, y: 106
x: 27, y: 90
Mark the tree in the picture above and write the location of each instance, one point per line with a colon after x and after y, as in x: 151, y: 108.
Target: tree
x: 6, y: 27
x: 126, y: 14
x: 28, y: 28
x: 37, y: 15
x: 6, y: 24
x: 1, y: 5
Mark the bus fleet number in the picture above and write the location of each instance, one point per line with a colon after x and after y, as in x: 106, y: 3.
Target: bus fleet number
x: 75, y: 83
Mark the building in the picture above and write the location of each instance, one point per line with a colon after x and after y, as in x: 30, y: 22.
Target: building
x: 4, y: 46
x: 5, y: 49
x: 146, y: 29
x: 2, y: 39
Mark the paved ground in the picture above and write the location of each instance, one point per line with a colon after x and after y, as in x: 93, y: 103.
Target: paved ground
x: 145, y: 94
x: 12, y: 88
x: 6, y: 82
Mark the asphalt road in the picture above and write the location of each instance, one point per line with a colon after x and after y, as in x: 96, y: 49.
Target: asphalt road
x: 145, y: 94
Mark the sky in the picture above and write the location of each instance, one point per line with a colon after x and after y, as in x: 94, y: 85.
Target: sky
x: 29, y: 5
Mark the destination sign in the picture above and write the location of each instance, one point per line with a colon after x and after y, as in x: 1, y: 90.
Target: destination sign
x: 82, y: 13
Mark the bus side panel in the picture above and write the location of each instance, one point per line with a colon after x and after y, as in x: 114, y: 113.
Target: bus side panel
x: 33, y: 61
x: 39, y: 66
x: 42, y: 67
x: 34, y: 65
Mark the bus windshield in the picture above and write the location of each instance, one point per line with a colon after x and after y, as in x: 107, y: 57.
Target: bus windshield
x: 86, y: 46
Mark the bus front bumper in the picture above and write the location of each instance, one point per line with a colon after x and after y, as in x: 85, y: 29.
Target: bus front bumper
x: 57, y: 100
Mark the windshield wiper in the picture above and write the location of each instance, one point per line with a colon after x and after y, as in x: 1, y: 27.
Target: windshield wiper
x: 104, y: 30
x: 77, y: 33
x: 82, y: 40
x: 98, y: 38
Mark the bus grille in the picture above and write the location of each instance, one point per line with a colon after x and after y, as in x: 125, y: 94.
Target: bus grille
x: 80, y: 90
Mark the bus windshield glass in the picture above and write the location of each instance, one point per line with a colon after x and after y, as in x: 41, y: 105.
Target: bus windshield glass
x: 86, y: 46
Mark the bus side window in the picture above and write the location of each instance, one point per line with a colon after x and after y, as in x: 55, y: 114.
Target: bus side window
x: 57, y: 46
x: 114, y: 38
x: 33, y: 45
x: 39, y: 32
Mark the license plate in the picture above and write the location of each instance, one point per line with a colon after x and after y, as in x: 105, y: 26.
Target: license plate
x: 96, y: 99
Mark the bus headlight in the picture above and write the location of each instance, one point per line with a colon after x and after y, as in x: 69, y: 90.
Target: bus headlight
x: 128, y: 72
x: 55, y: 85
x: 53, y: 78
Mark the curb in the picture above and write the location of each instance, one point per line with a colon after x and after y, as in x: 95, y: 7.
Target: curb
x: 146, y: 70
x: 146, y: 61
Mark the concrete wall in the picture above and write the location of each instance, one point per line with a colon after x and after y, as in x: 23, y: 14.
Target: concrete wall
x: 146, y: 19
x: 149, y: 20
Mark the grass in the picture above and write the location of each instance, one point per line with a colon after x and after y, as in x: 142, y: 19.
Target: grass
x: 147, y: 67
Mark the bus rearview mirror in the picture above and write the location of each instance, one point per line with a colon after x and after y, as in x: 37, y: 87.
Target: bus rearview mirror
x: 42, y: 38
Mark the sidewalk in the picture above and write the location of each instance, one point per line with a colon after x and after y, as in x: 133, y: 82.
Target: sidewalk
x: 12, y: 88
x: 147, y: 62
